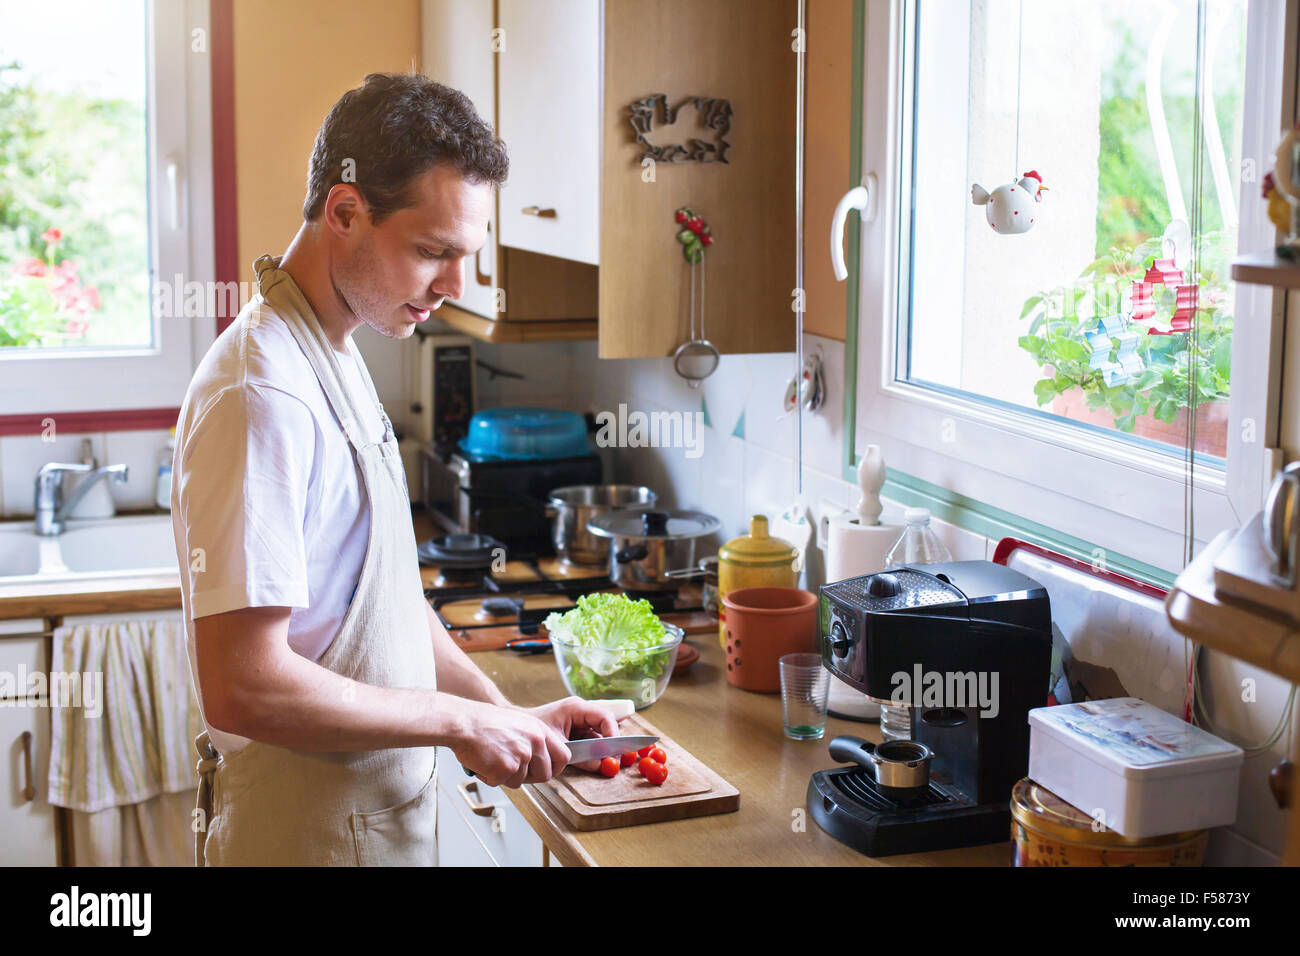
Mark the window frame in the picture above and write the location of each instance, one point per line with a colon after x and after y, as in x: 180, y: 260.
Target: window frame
x: 179, y: 129
x: 1096, y: 489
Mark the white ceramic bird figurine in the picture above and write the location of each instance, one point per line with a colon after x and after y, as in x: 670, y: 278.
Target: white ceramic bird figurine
x: 1011, y: 209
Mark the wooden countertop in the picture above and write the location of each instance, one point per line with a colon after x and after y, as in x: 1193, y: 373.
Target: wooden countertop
x: 107, y: 594
x: 738, y: 734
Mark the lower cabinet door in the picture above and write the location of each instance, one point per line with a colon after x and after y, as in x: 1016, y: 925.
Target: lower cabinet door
x: 26, y: 818
x: 477, y: 824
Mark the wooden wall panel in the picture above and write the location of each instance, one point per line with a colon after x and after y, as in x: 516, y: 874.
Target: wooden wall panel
x: 827, y: 176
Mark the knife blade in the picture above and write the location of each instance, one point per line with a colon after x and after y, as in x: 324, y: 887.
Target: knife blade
x: 596, y: 748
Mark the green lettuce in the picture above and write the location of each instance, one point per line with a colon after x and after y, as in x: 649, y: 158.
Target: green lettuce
x: 616, y: 648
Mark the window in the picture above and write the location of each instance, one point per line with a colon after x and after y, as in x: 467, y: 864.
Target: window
x: 1048, y: 373
x: 74, y: 202
x: 106, y: 149
x: 1079, y: 316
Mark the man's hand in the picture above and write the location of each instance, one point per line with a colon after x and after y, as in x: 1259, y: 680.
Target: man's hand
x: 507, y: 746
x: 576, y: 718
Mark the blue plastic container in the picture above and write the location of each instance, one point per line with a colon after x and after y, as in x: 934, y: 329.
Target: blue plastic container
x: 515, y: 434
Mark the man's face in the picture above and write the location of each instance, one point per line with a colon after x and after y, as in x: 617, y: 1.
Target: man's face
x: 393, y: 275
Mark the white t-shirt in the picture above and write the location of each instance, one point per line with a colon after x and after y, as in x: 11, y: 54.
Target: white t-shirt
x: 267, y: 505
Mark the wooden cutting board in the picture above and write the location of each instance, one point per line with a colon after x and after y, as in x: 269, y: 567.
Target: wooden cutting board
x: 588, y: 801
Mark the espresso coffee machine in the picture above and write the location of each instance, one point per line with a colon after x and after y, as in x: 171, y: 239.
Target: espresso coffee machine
x: 968, y: 645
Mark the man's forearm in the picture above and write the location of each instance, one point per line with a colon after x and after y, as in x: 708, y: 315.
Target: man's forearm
x: 457, y: 674
x: 298, y: 704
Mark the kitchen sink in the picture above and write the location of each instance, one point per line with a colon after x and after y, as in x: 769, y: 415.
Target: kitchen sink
x: 20, y: 552
x: 112, y: 546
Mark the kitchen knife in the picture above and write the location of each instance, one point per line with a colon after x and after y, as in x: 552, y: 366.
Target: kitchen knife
x: 595, y: 748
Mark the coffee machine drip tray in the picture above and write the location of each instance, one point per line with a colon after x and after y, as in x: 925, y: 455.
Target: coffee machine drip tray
x: 848, y: 805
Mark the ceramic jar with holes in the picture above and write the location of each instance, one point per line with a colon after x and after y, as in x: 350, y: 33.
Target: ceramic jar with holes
x: 751, y: 561
x: 761, y: 626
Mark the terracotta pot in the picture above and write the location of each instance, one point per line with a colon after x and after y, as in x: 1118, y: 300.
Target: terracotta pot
x: 1211, y: 422
x: 762, y: 625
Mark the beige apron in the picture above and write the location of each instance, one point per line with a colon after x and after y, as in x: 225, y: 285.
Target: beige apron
x: 271, y: 806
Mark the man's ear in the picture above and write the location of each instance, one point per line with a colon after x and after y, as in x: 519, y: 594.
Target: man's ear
x: 344, y: 207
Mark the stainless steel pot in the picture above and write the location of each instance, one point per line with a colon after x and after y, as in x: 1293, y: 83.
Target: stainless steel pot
x: 646, y: 546
x: 571, y: 507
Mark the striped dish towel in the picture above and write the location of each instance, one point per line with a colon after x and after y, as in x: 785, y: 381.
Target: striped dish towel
x: 124, y: 719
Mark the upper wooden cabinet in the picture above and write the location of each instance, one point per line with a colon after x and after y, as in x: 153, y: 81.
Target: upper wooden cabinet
x: 456, y: 40
x: 737, y: 50
x: 585, y: 230
x: 828, y: 160
x: 549, y: 100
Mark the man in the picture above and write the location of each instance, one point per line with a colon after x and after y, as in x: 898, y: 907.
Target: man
x: 324, y: 677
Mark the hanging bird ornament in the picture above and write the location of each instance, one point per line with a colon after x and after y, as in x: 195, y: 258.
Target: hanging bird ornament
x: 1011, y: 209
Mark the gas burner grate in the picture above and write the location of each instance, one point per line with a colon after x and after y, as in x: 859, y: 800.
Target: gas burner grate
x: 862, y: 787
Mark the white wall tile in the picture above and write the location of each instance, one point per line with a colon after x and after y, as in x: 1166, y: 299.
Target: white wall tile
x: 766, y: 423
x: 823, y: 432
x: 722, y: 482
x: 769, y: 481
x: 964, y: 545
x: 139, y: 451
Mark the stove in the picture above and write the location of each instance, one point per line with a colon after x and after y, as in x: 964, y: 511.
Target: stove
x: 514, y: 597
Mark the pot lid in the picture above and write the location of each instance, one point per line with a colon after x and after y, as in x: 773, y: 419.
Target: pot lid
x: 758, y: 548
x: 648, y: 523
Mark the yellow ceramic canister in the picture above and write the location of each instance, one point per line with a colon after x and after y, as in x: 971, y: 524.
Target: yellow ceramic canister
x: 754, y: 560
x: 1047, y: 831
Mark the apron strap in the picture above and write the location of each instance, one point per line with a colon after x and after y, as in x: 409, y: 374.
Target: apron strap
x: 278, y: 289
x: 207, y: 769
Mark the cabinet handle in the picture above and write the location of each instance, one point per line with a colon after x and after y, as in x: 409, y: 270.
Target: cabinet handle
x: 539, y: 212
x: 29, y: 791
x: 469, y: 793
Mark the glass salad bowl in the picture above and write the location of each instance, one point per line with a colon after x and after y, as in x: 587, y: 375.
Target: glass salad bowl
x: 637, y: 673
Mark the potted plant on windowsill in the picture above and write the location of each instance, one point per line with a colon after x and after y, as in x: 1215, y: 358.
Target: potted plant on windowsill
x: 1154, y: 402
x: 43, y: 304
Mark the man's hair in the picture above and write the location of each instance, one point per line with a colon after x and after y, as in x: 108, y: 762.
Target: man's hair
x: 393, y: 128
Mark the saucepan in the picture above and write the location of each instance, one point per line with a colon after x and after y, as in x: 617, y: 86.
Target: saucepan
x: 571, y: 507
x: 645, y: 547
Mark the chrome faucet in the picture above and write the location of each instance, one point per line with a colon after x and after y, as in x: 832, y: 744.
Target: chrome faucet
x: 51, y: 510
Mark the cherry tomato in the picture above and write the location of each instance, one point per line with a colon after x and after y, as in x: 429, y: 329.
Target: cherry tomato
x: 655, y: 772
x: 645, y: 751
x: 706, y: 239
x: 657, y: 755
x: 628, y: 758
x: 609, y: 766
x: 681, y: 216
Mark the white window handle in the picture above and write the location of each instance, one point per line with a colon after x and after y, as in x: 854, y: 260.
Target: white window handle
x: 863, y: 199
x: 174, y: 194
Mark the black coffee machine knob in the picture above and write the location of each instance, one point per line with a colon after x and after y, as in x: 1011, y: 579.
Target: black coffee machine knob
x: 883, y: 585
x: 839, y: 640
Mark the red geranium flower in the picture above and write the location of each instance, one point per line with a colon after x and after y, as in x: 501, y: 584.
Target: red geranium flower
x: 30, y: 267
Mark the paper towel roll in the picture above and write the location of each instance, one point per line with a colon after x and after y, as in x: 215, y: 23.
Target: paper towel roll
x: 854, y: 548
